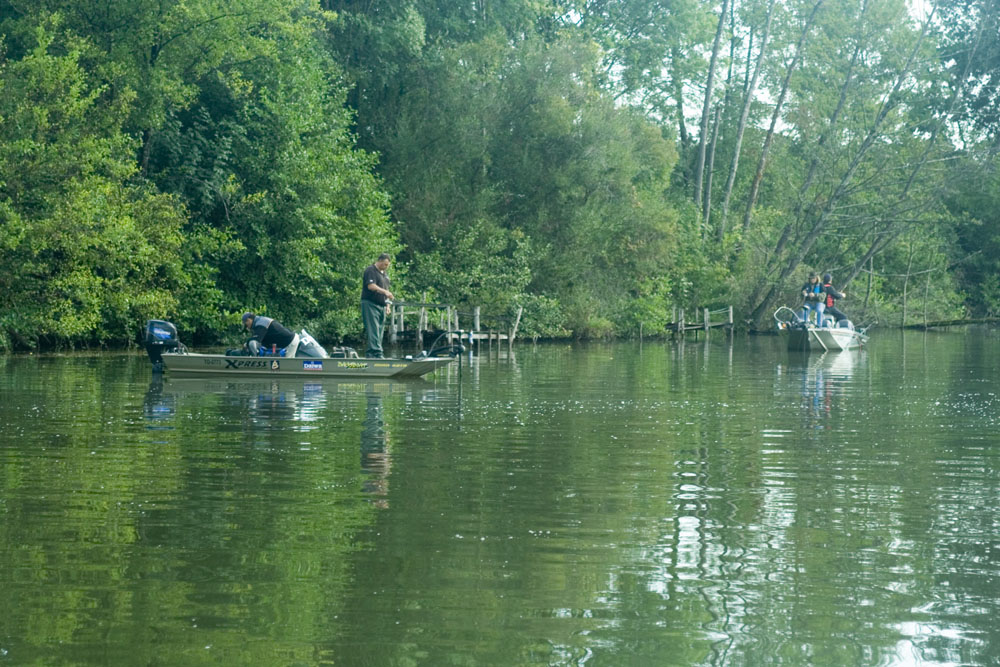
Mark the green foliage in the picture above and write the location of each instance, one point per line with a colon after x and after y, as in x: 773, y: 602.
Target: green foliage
x: 93, y: 256
x: 973, y: 201
x: 484, y: 266
x: 520, y: 152
x: 191, y: 159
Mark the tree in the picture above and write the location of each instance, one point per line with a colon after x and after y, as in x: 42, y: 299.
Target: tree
x: 92, y: 255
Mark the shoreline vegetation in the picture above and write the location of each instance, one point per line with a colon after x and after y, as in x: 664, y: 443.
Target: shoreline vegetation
x: 593, y: 166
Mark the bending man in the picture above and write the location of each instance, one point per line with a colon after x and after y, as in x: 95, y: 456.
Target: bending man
x: 375, y: 298
x: 268, y: 332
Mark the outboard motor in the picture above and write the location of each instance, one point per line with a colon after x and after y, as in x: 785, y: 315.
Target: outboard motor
x: 160, y: 336
x: 308, y: 347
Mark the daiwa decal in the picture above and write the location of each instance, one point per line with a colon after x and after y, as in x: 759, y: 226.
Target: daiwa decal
x: 312, y: 365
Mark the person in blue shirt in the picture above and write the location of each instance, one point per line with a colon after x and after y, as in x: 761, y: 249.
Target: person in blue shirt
x: 813, y: 298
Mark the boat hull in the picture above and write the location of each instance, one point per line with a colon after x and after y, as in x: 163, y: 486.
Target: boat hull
x: 824, y: 339
x: 192, y: 364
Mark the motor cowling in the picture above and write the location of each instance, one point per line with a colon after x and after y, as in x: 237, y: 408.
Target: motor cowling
x: 160, y: 336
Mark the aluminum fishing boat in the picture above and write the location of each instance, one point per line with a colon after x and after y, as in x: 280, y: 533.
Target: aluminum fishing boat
x: 167, y: 353
x: 808, y: 337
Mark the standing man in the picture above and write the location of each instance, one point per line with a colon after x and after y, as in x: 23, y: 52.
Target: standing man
x: 812, y: 296
x: 375, y: 297
x: 831, y: 295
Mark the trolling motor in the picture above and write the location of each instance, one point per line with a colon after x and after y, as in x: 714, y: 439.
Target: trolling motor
x: 160, y: 336
x: 446, y: 350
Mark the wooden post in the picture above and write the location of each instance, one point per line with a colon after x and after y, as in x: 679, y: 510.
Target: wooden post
x: 474, y: 335
x: 680, y: 322
x: 708, y: 321
x: 392, y: 327
x: 513, y: 331
x: 927, y: 287
x: 729, y: 318
x: 422, y: 322
x: 906, y: 282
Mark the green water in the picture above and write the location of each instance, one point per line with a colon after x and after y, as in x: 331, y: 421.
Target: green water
x: 618, y: 504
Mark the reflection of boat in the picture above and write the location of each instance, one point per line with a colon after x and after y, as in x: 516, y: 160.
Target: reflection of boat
x: 166, y: 352
x: 831, y: 365
x: 279, y: 398
x: 247, y: 384
x: 807, y: 337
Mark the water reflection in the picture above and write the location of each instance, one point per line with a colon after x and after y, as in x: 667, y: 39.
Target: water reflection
x: 591, y: 504
x: 158, y: 409
x: 824, y: 381
x: 375, y: 458
x: 292, y: 405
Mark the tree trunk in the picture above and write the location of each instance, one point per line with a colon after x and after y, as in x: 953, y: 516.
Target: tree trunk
x: 678, y: 85
x: 786, y: 234
x: 707, y: 208
x: 806, y: 245
x: 871, y: 279
x: 744, y: 115
x: 762, y: 162
x: 885, y: 237
x: 709, y: 83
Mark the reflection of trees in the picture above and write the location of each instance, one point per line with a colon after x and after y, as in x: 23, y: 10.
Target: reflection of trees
x: 656, y: 510
x: 188, y: 522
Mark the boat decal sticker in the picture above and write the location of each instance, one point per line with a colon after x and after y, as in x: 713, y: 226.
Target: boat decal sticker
x: 246, y: 363
x: 312, y: 365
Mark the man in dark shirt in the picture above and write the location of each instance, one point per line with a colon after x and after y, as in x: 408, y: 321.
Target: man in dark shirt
x: 375, y: 298
x: 831, y: 295
x: 266, y: 332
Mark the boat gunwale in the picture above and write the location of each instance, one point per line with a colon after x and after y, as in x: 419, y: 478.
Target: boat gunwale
x: 214, y: 365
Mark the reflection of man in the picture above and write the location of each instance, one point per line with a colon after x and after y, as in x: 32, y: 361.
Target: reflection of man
x: 375, y: 459
x: 375, y: 297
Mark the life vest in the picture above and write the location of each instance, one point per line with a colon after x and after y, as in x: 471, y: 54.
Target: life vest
x: 829, y: 297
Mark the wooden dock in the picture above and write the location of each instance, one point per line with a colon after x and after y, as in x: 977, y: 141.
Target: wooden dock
x: 952, y: 323
x: 448, y: 323
x: 710, y: 319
